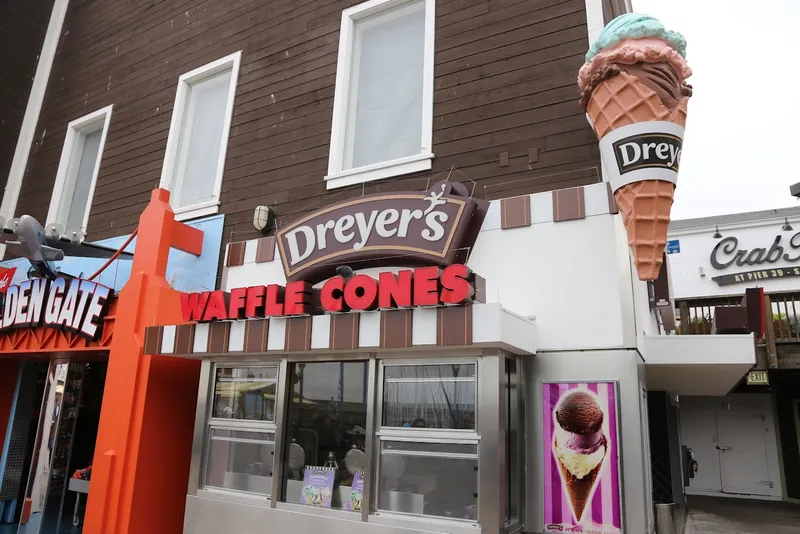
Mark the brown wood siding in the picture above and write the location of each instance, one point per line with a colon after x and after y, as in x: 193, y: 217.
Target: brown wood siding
x: 23, y: 24
x: 505, y: 81
x: 613, y: 9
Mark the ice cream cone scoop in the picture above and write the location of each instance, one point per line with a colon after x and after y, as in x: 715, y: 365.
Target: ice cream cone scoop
x: 634, y: 92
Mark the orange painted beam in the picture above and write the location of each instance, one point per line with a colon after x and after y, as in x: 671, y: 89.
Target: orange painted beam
x: 187, y: 238
x: 143, y: 450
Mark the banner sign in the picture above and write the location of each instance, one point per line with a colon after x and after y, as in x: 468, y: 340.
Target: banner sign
x: 424, y: 286
x: 318, y: 486
x: 648, y: 150
x: 752, y: 276
x: 75, y: 305
x: 6, y: 276
x: 727, y: 253
x: 434, y: 227
x: 581, y: 458
x: 356, y: 493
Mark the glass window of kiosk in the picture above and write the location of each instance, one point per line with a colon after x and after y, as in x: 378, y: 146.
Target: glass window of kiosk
x: 427, y: 440
x: 326, y: 422
x: 241, y: 429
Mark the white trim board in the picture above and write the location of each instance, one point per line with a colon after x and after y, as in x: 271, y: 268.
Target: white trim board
x: 171, y: 157
x: 338, y: 175
x: 70, y: 159
x: 32, y: 111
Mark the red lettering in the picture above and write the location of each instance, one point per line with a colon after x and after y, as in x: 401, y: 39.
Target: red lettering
x: 193, y: 305
x: 332, y: 295
x: 361, y: 292
x: 426, y: 286
x: 456, y: 286
x: 216, y: 310
x: 274, y: 301
x: 236, y: 303
x: 395, y: 290
x: 254, y: 302
x: 298, y: 298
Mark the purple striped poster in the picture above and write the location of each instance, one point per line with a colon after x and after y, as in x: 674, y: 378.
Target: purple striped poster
x: 581, y: 458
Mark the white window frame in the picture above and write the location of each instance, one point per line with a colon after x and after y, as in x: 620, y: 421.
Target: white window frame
x: 73, y: 147
x: 200, y: 74
x: 338, y: 176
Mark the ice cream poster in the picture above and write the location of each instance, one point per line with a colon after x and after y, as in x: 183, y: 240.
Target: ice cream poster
x: 581, y: 458
x: 318, y: 486
x: 356, y: 493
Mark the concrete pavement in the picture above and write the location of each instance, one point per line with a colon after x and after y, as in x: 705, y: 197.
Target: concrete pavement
x: 715, y: 515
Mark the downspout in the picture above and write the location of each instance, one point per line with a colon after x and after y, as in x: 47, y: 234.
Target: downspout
x: 32, y: 111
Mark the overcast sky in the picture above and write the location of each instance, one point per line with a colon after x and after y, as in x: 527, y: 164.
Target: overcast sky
x: 742, y: 146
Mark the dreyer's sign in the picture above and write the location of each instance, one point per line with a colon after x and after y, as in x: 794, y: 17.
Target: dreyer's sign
x: 642, y: 151
x: 75, y: 305
x: 436, y: 227
x: 727, y: 253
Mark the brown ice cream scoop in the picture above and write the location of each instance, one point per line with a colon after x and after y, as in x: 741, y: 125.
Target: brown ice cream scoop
x: 579, y: 413
x: 662, y: 79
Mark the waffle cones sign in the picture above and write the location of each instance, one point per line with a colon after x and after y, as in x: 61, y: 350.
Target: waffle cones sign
x: 410, y: 229
x: 581, y: 458
x: 634, y: 93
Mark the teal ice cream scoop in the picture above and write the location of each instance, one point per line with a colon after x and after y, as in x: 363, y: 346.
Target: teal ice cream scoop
x: 635, y: 26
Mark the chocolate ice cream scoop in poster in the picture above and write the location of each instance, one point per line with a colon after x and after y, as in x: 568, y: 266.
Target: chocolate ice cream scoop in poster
x: 581, y: 458
x: 318, y: 486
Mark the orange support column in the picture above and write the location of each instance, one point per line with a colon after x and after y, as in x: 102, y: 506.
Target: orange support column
x: 141, y: 463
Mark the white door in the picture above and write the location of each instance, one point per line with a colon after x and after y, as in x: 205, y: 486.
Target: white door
x: 745, y: 438
x: 698, y: 421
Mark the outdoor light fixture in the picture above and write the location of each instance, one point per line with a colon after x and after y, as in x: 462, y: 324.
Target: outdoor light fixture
x: 76, y: 236
x: 264, y: 219
x: 786, y: 226
x: 717, y: 235
x: 53, y: 230
x: 345, y: 271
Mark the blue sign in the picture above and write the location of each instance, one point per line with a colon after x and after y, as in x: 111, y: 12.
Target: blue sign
x: 673, y: 246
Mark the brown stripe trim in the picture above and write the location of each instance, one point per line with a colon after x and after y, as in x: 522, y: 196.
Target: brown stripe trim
x: 184, y: 339
x: 218, y: 337
x: 152, y: 339
x: 454, y: 326
x: 568, y: 204
x: 255, y: 335
x: 515, y: 212
x: 265, y: 251
x: 298, y: 334
x: 396, y: 329
x: 612, y: 201
x: 235, y: 254
x: 344, y: 331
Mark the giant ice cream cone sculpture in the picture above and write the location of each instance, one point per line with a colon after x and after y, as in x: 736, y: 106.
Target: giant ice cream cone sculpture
x: 579, y: 446
x: 633, y: 89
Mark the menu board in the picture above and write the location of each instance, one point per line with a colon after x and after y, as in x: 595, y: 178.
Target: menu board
x: 356, y: 493
x: 318, y: 486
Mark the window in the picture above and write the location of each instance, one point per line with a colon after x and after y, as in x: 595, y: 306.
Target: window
x: 383, y: 107
x: 427, y: 443
x: 198, y: 137
x: 241, y: 429
x: 77, y: 171
x: 326, y: 430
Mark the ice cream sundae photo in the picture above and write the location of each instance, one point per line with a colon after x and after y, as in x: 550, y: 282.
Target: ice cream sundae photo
x: 580, y: 446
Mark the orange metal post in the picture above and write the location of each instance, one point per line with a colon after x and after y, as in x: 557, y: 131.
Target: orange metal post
x: 141, y: 464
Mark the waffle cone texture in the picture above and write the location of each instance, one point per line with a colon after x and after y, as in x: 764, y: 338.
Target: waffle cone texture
x: 645, y: 206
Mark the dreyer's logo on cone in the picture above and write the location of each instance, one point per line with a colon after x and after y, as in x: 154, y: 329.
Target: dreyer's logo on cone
x: 438, y: 227
x: 648, y: 151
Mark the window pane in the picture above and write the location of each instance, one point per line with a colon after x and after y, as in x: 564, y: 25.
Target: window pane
x: 436, y: 484
x: 429, y: 396
x: 245, y: 393
x: 76, y: 192
x: 200, y: 139
x: 240, y: 460
x: 385, y: 98
x: 326, y: 425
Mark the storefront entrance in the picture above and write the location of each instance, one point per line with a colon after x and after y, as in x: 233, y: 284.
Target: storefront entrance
x: 734, y: 442
x: 47, y: 454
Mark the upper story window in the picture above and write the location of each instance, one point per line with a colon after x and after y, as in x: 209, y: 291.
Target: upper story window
x: 77, y: 171
x: 383, y: 108
x: 198, y: 137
